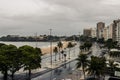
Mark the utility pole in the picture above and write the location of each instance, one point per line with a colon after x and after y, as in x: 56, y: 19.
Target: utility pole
x: 79, y: 38
x: 50, y: 38
x: 79, y: 41
x: 51, y: 47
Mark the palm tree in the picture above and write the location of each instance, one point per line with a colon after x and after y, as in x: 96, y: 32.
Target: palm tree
x: 55, y: 51
x: 112, y: 67
x: 81, y: 47
x: 62, y: 52
x: 87, y: 45
x: 82, y: 62
x: 97, y: 66
x: 114, y: 54
x: 65, y: 56
x: 60, y: 45
x: 111, y: 44
x: 65, y: 59
x: 70, y: 45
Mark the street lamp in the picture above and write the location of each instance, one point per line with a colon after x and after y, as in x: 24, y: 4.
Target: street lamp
x: 79, y: 38
x: 79, y: 41
x: 51, y: 47
x: 50, y: 51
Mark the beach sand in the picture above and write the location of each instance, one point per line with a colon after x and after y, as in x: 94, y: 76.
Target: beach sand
x: 47, y: 49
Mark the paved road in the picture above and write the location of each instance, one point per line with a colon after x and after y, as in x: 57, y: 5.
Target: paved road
x: 59, y: 73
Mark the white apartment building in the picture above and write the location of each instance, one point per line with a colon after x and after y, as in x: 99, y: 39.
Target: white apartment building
x: 100, y: 29
x: 93, y: 32
x: 118, y: 31
x: 110, y: 34
x: 106, y: 33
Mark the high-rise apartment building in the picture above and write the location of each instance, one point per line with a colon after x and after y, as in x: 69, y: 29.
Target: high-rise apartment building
x: 111, y: 31
x: 117, y: 30
x: 93, y: 32
x: 106, y: 33
x: 100, y: 28
x: 114, y: 30
x: 87, y: 32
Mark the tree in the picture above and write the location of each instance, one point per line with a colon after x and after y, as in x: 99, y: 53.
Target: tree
x: 70, y: 45
x: 15, y: 59
x: 38, y: 51
x: 114, y: 54
x: 31, y: 58
x: 101, y: 40
x: 65, y: 56
x: 62, y: 52
x: 87, y: 45
x: 82, y: 62
x: 111, y: 44
x: 97, y: 66
x: 60, y: 45
x: 1, y: 44
x: 82, y: 48
x: 55, y: 51
x: 112, y: 67
x: 5, y: 62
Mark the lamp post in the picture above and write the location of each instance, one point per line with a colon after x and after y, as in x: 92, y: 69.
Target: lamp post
x: 51, y: 47
x: 79, y: 38
x: 50, y: 51
x: 79, y: 41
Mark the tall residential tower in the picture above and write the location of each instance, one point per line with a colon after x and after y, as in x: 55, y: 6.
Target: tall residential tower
x: 100, y: 28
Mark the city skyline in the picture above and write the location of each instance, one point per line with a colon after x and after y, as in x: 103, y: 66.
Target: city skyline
x: 26, y: 17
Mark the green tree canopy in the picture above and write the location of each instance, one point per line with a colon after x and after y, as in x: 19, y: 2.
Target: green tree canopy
x: 111, y: 44
x: 31, y: 58
x: 7, y: 53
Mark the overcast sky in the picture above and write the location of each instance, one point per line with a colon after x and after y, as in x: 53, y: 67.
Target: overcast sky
x: 65, y: 17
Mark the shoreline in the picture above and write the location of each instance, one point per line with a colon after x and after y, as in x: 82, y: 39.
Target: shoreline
x: 46, y: 50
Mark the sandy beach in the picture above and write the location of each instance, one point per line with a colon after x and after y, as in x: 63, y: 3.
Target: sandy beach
x: 47, y: 49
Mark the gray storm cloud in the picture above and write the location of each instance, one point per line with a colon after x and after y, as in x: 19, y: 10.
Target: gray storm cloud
x: 65, y: 17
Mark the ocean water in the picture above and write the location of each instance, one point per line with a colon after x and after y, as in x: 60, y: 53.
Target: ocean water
x: 33, y: 44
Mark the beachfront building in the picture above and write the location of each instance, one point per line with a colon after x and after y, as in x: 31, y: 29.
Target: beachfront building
x: 111, y: 31
x: 93, y: 32
x: 87, y: 32
x: 117, y: 30
x: 100, y: 28
x: 106, y: 33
